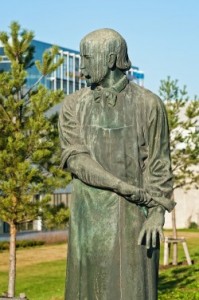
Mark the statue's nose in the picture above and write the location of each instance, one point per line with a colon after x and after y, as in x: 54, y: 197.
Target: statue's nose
x: 81, y: 73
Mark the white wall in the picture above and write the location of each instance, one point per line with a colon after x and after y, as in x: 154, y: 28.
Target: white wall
x: 187, y: 209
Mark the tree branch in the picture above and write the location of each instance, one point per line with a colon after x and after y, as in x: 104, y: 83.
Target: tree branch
x: 32, y: 87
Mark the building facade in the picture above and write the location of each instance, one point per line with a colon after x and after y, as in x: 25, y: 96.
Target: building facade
x: 136, y: 75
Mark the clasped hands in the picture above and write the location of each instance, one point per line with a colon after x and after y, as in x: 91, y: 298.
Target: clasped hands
x: 153, y: 225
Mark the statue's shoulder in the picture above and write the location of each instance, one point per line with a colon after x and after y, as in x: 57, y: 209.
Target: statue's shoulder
x: 70, y: 101
x: 145, y: 97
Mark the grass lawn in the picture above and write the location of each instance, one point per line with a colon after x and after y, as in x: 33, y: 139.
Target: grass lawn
x: 41, y: 272
x: 181, y: 282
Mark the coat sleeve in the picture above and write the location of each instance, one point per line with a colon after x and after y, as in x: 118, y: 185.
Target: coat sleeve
x: 69, y: 131
x: 158, y: 175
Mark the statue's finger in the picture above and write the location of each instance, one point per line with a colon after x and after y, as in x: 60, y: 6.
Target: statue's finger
x: 154, y: 238
x: 134, y: 198
x: 161, y: 234
x: 148, y: 239
x: 141, y: 236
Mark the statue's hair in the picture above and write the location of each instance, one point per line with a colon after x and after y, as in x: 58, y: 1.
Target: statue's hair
x: 112, y: 42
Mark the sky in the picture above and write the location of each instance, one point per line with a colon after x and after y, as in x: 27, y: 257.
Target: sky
x: 162, y: 35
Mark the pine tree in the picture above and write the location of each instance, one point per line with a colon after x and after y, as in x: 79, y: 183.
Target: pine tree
x: 184, y: 139
x: 29, y: 144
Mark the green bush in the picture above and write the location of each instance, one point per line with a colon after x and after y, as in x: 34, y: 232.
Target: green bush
x: 21, y: 244
x: 193, y: 225
x: 4, y: 245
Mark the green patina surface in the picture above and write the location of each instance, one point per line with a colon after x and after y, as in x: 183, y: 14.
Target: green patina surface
x: 114, y: 137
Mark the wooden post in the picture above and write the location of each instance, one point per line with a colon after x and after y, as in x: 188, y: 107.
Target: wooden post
x: 186, y: 251
x: 174, y: 241
x: 166, y: 251
x: 175, y: 245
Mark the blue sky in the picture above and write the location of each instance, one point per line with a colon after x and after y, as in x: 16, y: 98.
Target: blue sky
x: 162, y: 35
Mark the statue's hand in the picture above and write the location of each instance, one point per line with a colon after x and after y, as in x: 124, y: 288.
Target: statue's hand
x: 152, y: 227
x: 127, y: 189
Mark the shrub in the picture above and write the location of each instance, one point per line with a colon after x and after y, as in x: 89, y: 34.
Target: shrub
x: 22, y: 244
x: 193, y: 225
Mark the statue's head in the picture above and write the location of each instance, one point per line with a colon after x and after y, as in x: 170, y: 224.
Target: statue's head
x: 101, y: 51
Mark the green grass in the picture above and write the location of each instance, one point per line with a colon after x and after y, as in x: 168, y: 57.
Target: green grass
x: 43, y: 281
x: 184, y: 230
x: 46, y: 280
x: 179, y: 283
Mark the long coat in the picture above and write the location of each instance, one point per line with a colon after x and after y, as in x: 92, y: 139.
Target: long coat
x: 129, y: 139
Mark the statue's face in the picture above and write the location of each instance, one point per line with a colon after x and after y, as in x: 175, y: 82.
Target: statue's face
x: 94, y: 63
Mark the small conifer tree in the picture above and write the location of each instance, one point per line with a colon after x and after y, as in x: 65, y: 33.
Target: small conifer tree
x: 183, y: 115
x: 29, y: 144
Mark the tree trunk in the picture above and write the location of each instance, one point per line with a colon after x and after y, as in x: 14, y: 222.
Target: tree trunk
x: 12, y: 260
x: 175, y: 245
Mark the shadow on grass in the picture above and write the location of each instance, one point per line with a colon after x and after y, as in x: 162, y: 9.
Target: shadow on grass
x: 178, y: 278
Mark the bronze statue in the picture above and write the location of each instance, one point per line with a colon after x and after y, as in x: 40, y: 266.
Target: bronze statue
x: 114, y: 138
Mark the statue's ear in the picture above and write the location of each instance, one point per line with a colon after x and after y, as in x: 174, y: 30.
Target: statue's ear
x: 112, y: 60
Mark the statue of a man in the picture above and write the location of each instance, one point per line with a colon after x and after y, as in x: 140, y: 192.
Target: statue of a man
x: 114, y: 138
